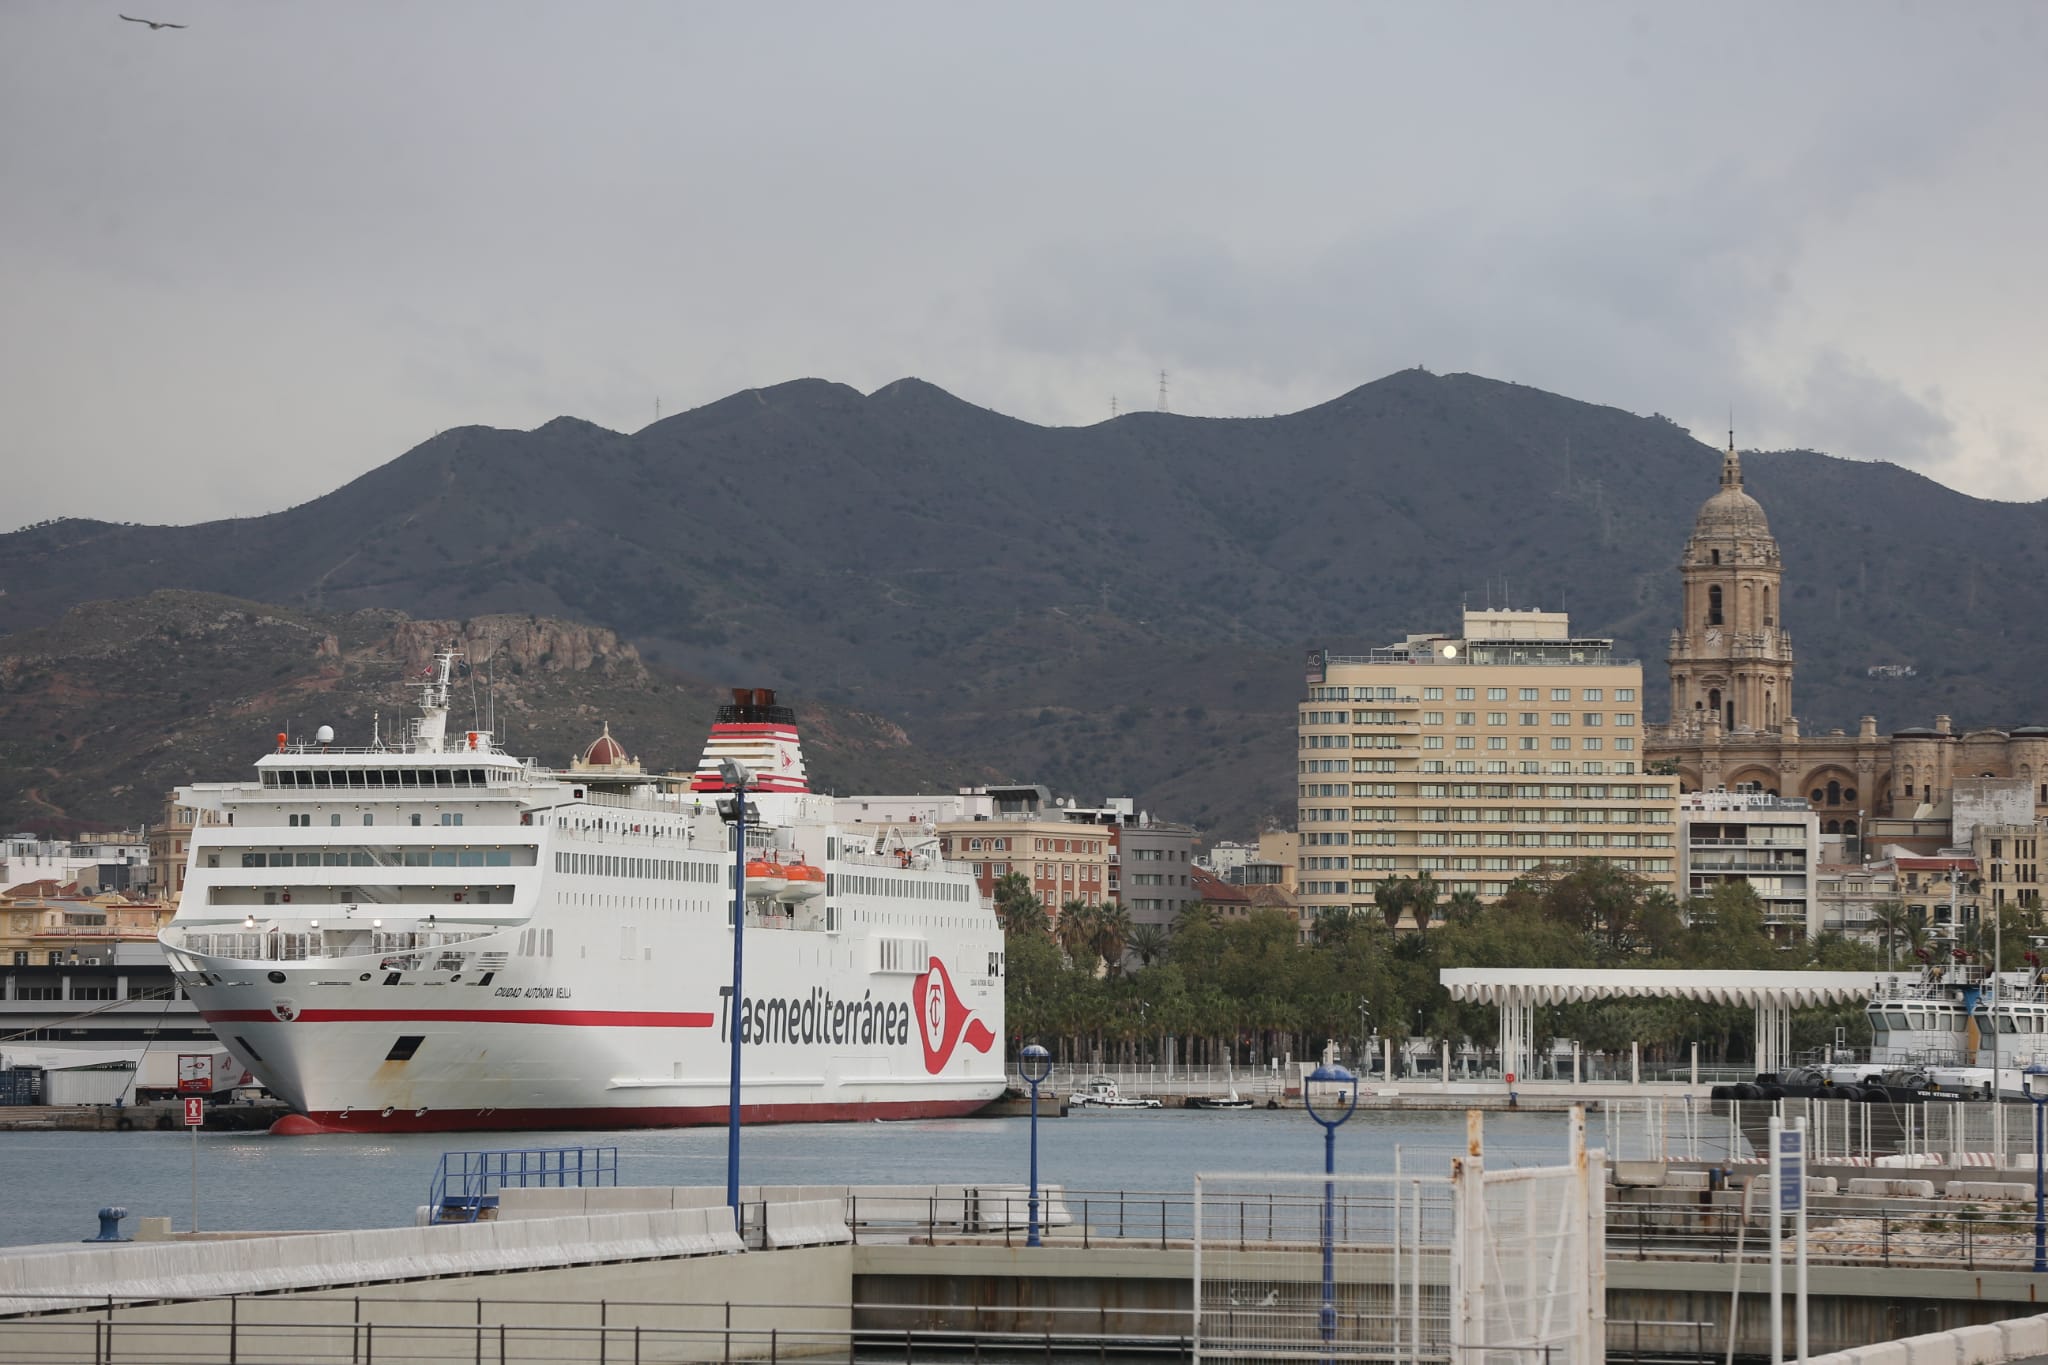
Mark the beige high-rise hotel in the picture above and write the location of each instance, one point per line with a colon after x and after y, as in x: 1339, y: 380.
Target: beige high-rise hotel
x: 1478, y: 758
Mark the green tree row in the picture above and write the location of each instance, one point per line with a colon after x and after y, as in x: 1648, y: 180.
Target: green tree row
x: 1096, y: 988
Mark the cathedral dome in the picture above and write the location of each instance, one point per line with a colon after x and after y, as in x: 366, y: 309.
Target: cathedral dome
x: 1731, y: 512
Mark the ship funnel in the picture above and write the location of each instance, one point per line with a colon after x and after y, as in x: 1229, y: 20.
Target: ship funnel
x: 760, y: 736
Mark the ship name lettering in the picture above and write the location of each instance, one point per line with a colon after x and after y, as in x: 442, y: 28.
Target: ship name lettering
x: 819, y: 1017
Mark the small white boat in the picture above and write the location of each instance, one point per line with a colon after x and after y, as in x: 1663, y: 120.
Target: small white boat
x: 1231, y: 1101
x: 1101, y: 1093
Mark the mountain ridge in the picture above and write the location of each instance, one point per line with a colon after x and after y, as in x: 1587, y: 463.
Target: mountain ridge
x: 1113, y: 608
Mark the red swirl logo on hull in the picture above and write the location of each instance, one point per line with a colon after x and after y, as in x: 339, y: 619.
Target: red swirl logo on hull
x: 944, y: 1020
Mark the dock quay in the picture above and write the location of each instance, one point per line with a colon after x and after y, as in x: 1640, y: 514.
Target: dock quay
x: 660, y: 1273
x: 147, y: 1116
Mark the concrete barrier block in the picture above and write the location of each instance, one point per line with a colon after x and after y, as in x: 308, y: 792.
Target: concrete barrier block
x: 1820, y: 1184
x: 1893, y: 1188
x: 1883, y: 1353
x: 1999, y: 1190
x: 2024, y: 1337
x: 1980, y: 1345
x: 696, y: 1197
x: 1686, y: 1180
x: 1638, y: 1174
x: 1936, y: 1348
x: 540, y: 1202
x: 810, y: 1222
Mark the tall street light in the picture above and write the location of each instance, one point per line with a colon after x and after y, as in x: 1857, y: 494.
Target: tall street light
x: 2037, y: 1090
x: 735, y: 811
x: 1036, y: 1065
x: 1347, y: 1095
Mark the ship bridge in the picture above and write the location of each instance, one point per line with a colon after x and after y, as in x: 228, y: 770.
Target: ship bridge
x: 1518, y: 991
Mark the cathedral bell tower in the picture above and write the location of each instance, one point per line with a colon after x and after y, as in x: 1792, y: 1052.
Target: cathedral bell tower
x: 1731, y: 662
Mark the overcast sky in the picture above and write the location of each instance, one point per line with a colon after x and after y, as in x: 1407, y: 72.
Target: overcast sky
x: 244, y: 262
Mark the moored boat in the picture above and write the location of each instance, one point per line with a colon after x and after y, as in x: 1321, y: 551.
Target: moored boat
x: 434, y: 934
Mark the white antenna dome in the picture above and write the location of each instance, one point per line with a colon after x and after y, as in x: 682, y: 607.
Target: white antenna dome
x: 324, y: 735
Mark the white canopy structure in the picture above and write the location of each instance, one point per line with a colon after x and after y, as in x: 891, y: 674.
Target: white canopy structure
x: 1774, y: 995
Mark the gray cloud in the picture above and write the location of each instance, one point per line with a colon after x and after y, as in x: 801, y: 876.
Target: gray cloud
x: 245, y: 262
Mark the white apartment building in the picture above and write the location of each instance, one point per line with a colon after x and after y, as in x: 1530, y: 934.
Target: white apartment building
x: 1770, y: 842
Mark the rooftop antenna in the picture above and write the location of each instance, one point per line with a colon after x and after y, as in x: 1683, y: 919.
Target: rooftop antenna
x: 657, y: 408
x: 1112, y: 407
x: 1162, y: 392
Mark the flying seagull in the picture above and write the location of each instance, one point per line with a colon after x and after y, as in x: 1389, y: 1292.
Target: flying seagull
x: 153, y: 24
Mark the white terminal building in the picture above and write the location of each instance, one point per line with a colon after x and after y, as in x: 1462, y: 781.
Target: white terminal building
x: 1770, y: 842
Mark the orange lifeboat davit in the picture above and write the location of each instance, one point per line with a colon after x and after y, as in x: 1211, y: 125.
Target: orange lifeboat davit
x: 805, y: 882
x: 766, y: 878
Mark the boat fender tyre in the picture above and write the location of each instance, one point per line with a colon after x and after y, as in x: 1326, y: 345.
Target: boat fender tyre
x: 1723, y: 1092
x: 1876, y: 1094
x: 1751, y: 1090
x: 1847, y: 1092
x: 1774, y: 1092
x: 1272, y: 1104
x: 163, y: 1123
x: 124, y: 1124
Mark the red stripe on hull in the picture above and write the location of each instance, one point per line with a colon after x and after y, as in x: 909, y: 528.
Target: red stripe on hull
x: 562, y: 1120
x: 557, y: 1018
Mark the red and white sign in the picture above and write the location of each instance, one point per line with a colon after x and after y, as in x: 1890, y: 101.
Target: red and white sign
x: 195, y: 1111
x: 945, y: 1018
x: 195, y: 1073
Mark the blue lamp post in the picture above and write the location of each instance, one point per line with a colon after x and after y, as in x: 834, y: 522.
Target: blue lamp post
x: 735, y: 810
x: 1036, y: 1065
x: 1347, y: 1095
x: 2036, y: 1079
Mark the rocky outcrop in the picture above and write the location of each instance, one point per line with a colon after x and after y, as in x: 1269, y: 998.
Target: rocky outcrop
x: 520, y: 643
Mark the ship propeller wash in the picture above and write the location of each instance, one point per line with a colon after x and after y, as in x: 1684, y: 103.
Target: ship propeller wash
x: 433, y: 934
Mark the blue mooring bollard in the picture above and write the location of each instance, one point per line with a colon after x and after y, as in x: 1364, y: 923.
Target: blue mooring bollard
x: 110, y: 1225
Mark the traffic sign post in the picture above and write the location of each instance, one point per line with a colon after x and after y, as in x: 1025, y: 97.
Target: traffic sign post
x: 1788, y: 1199
x: 195, y: 1115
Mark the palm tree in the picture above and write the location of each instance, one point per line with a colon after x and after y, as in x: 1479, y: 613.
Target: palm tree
x: 1026, y: 917
x: 1075, y: 929
x: 1891, y: 920
x: 1422, y: 900
x: 1016, y: 906
x: 1391, y: 898
x: 1148, y: 943
x: 1112, y: 933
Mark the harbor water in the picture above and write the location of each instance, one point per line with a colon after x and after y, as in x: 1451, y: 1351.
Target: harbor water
x: 255, y: 1181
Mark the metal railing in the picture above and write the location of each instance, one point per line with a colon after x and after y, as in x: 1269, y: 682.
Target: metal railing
x: 465, y: 1183
x: 366, y: 1328
x: 1967, y: 1237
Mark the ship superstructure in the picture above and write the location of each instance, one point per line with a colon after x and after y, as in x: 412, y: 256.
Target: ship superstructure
x: 435, y: 934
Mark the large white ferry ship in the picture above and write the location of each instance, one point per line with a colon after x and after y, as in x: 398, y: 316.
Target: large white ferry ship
x: 434, y: 934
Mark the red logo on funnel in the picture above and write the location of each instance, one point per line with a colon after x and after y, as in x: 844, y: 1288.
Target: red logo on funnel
x: 943, y: 1020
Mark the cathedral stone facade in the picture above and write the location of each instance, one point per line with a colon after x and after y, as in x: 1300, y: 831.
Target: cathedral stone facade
x: 1732, y: 723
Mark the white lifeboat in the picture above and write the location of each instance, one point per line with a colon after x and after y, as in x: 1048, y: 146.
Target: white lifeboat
x: 766, y: 878
x: 805, y: 882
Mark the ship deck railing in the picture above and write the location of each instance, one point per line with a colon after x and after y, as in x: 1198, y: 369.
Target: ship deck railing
x: 316, y: 945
